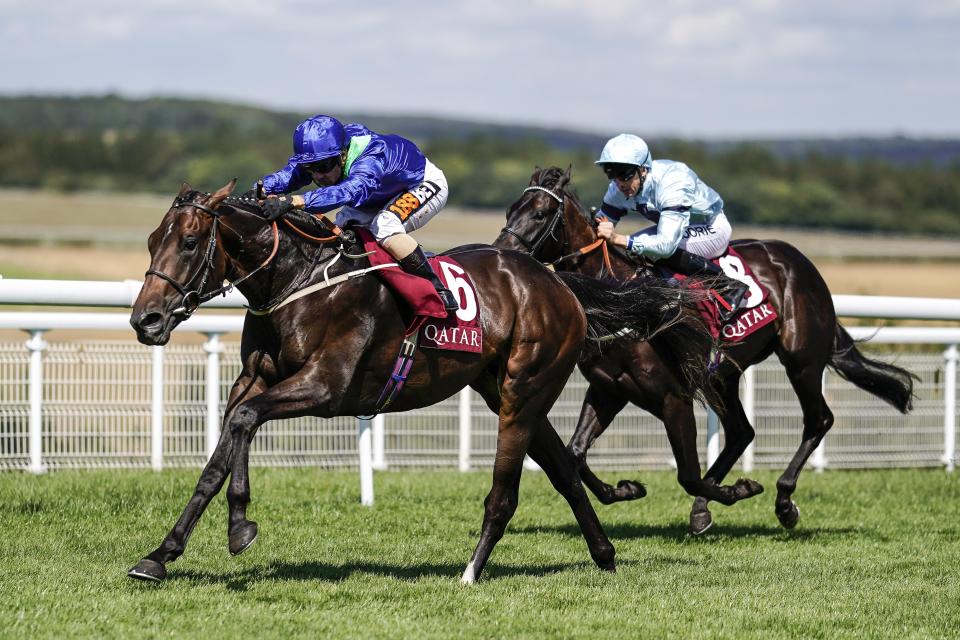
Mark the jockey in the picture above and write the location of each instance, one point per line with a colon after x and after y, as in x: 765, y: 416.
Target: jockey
x: 691, y: 227
x: 383, y: 182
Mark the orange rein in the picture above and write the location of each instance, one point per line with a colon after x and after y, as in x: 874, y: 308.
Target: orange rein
x: 582, y: 251
x: 322, y: 219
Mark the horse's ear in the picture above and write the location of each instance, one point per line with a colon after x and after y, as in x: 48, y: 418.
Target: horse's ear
x: 222, y: 193
x: 535, y: 178
x: 564, y: 178
x: 185, y: 188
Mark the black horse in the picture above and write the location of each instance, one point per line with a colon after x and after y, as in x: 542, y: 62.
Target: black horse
x: 550, y: 223
x: 331, y: 353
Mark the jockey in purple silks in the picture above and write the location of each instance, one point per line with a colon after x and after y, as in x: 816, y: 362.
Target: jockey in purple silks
x: 383, y: 182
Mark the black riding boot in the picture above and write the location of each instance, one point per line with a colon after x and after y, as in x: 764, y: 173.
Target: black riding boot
x: 732, y: 291
x: 416, y: 263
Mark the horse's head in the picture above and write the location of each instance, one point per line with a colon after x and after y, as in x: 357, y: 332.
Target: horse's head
x: 184, y: 262
x: 537, y: 222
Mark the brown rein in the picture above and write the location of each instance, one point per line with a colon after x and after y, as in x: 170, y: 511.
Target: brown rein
x: 193, y: 298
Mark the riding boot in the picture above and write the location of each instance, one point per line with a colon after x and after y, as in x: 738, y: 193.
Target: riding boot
x: 730, y: 290
x: 416, y: 264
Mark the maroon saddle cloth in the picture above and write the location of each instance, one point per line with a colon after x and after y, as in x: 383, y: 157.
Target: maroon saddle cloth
x: 459, y: 330
x: 756, y: 311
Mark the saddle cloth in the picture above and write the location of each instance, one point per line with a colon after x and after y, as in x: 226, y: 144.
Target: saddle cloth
x: 458, y: 331
x: 756, y: 311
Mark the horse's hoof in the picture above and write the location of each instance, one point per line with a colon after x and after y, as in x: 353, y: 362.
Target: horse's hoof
x: 630, y: 490
x: 789, y: 516
x: 700, y: 521
x: 148, y: 570
x: 609, y: 566
x: 747, y: 488
x: 242, y: 538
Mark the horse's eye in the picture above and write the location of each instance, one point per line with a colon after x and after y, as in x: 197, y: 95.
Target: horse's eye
x: 539, y: 214
x: 189, y: 243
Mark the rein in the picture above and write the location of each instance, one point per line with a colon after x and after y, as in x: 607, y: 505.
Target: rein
x: 549, y: 231
x: 191, y: 299
x: 600, y: 242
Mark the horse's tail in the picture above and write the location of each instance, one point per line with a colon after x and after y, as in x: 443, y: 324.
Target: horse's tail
x: 886, y: 381
x: 644, y: 309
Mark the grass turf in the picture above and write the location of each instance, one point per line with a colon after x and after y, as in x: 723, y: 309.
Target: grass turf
x: 876, y: 554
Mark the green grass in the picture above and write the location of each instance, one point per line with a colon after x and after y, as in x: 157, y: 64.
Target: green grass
x: 876, y: 554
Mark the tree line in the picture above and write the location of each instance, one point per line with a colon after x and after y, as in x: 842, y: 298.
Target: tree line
x: 110, y: 143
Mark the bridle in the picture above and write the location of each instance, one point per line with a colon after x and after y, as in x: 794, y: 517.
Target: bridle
x: 548, y: 231
x: 191, y: 298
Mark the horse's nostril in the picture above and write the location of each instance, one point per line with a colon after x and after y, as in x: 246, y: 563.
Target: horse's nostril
x: 150, y: 320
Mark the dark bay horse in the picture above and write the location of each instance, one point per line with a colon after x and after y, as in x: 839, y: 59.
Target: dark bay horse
x: 550, y: 223
x: 331, y: 353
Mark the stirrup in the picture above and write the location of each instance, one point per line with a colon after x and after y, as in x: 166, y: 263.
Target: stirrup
x: 735, y: 300
x: 449, y: 302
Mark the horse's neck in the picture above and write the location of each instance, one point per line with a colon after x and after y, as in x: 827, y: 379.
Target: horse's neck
x: 293, y: 267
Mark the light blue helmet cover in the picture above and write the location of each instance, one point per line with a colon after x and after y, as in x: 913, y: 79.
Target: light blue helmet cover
x: 626, y: 148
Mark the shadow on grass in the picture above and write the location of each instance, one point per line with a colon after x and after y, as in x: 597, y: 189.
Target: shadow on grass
x: 679, y: 532
x: 324, y: 572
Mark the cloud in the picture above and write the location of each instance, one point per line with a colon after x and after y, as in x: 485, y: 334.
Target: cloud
x: 680, y: 65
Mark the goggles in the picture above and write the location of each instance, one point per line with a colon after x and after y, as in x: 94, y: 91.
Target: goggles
x: 622, y: 172
x: 322, y: 166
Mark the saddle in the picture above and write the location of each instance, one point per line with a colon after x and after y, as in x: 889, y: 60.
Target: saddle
x: 754, y: 312
x: 458, y: 331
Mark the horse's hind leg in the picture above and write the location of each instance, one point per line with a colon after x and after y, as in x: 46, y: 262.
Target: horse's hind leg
x: 501, y: 503
x: 532, y: 380
x: 548, y: 451
x: 817, y: 420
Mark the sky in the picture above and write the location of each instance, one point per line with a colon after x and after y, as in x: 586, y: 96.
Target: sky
x: 709, y: 69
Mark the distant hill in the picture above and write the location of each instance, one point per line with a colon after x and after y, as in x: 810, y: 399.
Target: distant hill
x: 112, y: 143
x: 185, y: 116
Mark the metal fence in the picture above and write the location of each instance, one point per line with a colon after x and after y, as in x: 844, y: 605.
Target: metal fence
x: 97, y: 410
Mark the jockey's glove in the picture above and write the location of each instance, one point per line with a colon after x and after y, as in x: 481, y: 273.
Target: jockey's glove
x: 273, y: 208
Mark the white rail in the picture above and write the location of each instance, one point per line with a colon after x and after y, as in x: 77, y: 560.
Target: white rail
x: 370, y: 442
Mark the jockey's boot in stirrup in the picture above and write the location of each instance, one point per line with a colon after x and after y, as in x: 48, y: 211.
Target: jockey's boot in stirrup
x: 730, y: 290
x: 416, y: 264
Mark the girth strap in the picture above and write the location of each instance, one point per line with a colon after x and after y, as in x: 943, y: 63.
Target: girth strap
x: 401, y: 369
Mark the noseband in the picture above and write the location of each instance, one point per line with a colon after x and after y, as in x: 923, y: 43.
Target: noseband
x: 548, y: 231
x: 191, y: 298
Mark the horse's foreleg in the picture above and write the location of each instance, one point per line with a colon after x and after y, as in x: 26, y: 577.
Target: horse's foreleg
x: 547, y: 450
x: 738, y: 433
x: 214, y: 473
x: 681, y: 426
x: 598, y: 411
x: 293, y: 397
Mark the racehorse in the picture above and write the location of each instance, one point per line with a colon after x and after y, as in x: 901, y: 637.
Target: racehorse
x: 331, y: 352
x: 550, y: 223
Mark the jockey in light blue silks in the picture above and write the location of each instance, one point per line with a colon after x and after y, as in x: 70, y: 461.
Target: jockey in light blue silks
x: 691, y: 227
x: 383, y: 182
